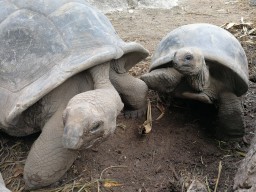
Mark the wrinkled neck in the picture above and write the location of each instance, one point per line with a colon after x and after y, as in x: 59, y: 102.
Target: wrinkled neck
x: 118, y: 66
x: 100, y: 76
x: 201, y: 80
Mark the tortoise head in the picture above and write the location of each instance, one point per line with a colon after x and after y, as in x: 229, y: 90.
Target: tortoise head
x: 188, y: 60
x: 85, y: 126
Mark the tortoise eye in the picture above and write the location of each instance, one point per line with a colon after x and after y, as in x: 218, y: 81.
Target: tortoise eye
x: 96, y: 126
x: 188, y: 57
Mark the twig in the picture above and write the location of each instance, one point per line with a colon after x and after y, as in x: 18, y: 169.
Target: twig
x: 195, y: 13
x: 121, y: 166
x: 207, y: 185
x: 162, y: 109
x: 98, y: 186
x: 86, y: 185
x: 219, y: 172
x: 222, y: 149
x: 202, y: 160
x: 74, y: 183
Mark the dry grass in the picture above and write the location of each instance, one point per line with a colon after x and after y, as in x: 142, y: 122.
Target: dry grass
x: 245, y: 32
x: 84, y: 186
x: 13, y: 153
x: 13, y: 156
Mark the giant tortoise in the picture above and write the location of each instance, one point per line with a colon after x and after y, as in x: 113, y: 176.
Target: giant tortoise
x: 206, y: 63
x: 59, y: 60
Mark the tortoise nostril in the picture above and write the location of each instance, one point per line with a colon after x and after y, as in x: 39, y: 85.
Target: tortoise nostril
x: 175, y: 54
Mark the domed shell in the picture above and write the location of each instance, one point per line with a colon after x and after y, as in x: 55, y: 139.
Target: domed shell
x: 219, y: 47
x: 44, y: 42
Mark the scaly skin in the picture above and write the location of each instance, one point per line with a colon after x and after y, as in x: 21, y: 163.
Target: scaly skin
x: 162, y: 80
x: 48, y: 160
x: 133, y: 91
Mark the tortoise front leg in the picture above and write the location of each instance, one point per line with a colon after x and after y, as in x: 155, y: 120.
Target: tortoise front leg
x: 164, y: 80
x: 202, y: 97
x: 230, y: 115
x: 48, y: 160
x: 133, y: 91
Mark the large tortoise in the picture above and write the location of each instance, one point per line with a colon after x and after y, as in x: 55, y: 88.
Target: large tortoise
x: 57, y: 58
x: 206, y: 63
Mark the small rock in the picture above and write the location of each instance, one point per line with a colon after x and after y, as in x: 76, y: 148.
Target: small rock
x: 131, y: 11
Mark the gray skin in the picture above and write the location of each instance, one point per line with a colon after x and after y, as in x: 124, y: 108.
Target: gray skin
x: 194, y: 62
x: 64, y: 73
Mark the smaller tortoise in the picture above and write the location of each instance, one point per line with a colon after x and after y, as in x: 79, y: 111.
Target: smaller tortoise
x: 206, y: 63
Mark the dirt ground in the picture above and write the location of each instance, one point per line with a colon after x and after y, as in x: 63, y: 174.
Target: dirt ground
x: 181, y: 146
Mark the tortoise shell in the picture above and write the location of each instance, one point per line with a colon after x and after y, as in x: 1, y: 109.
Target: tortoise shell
x: 221, y: 50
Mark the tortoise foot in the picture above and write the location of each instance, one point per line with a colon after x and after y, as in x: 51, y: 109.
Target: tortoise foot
x: 135, y: 113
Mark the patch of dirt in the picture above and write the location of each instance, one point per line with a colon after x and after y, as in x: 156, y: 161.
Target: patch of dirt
x: 180, y: 146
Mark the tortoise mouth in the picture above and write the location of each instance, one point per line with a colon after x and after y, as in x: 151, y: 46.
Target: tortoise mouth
x: 93, y: 143
x: 78, y: 143
x: 72, y: 142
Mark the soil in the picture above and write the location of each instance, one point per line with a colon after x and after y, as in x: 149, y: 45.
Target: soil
x: 181, y: 146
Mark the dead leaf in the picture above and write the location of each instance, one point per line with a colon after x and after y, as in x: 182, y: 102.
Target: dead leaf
x: 121, y: 125
x: 245, y: 32
x: 252, y: 31
x: 241, y: 153
x: 229, y: 25
x: 18, y: 170
x: 147, y: 125
x: 111, y: 183
x: 18, y: 173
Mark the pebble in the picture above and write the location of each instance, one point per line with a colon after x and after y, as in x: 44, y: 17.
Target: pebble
x: 131, y: 11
